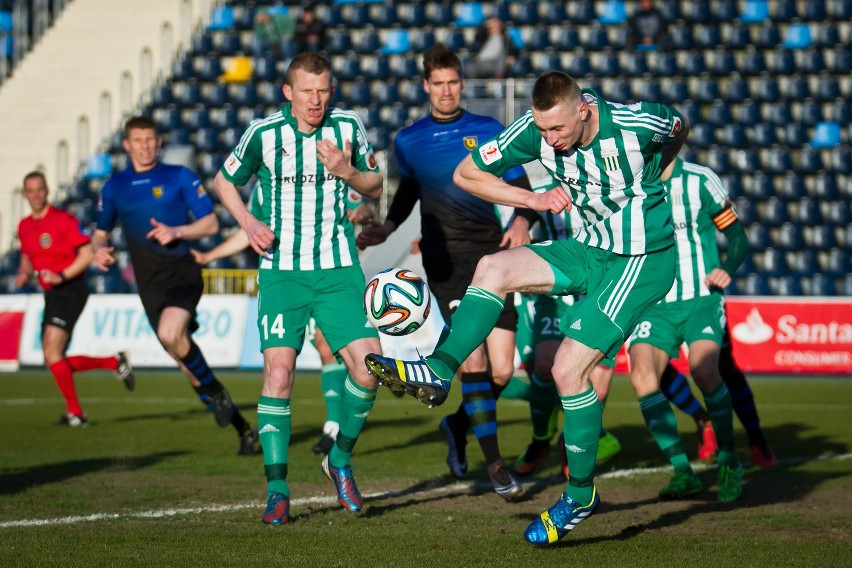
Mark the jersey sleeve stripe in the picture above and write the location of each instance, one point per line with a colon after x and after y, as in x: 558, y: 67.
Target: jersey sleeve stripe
x: 711, y: 181
x: 512, y: 131
x: 662, y: 121
x: 240, y: 150
x: 640, y: 124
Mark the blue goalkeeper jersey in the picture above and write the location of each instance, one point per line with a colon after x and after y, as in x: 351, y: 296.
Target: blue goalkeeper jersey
x: 428, y: 152
x: 167, y: 193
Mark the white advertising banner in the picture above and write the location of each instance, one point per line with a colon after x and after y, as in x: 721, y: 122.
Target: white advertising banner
x: 117, y: 322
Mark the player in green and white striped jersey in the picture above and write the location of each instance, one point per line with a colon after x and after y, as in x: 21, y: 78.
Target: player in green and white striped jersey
x: 608, y: 158
x: 306, y: 157
x: 693, y: 312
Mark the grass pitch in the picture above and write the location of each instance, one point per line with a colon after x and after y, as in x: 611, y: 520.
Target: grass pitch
x: 153, y: 482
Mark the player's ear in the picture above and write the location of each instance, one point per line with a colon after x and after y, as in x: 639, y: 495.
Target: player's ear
x: 287, y: 90
x: 126, y: 145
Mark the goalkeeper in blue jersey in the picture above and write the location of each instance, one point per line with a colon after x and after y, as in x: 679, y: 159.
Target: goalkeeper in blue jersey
x: 457, y: 230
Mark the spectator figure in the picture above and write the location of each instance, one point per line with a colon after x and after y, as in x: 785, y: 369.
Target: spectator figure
x: 648, y: 28
x: 310, y: 30
x: 272, y: 26
x: 496, y: 51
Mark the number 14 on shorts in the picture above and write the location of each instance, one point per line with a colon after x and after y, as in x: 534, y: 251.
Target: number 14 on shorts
x: 277, y: 326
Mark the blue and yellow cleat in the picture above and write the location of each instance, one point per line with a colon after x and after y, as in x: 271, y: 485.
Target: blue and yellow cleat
x: 347, y: 492
x: 277, y: 509
x: 414, y: 378
x: 560, y: 519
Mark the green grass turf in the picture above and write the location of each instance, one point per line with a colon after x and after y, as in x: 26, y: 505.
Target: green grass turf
x: 153, y: 482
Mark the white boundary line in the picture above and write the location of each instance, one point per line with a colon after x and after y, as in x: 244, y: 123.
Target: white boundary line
x: 454, y: 488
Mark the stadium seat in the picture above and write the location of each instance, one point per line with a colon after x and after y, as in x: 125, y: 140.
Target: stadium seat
x: 357, y: 93
x: 840, y: 112
x: 412, y: 16
x: 386, y: 93
x: 761, y: 188
x: 827, y: 35
x: 733, y: 135
x: 692, y: 63
x: 755, y: 285
x: 596, y: 40
x: 539, y: 39
x: 755, y: 12
x: 619, y: 91
x: 821, y: 285
x: 228, y: 44
x: 376, y: 68
x: 718, y: 160
x: 215, y: 95
x: 224, y: 117
x: 828, y: 89
x: 469, y: 14
x: 648, y: 90
x: 339, y: 41
x: 784, y: 11
x: 244, y: 94
x: 414, y: 95
x: 439, y: 14
x: 739, y: 37
x: 516, y: 37
x: 722, y: 63
x: 803, y: 262
x: 788, y: 285
x: 680, y: 36
x: 707, y: 36
x: 747, y: 213
x: 356, y: 15
x: 775, y: 212
x: 379, y: 138
x: 397, y: 42
x: 790, y: 237
x: 110, y: 283
x: 567, y: 39
x: 783, y: 63
x: 606, y: 65
x: 633, y: 64
x: 753, y: 63
x: 846, y: 286
x: 768, y: 37
x: 792, y: 187
x: 555, y: 13
x: 837, y: 263
x: 675, y: 91
x: 613, y: 13
x: 231, y: 137
x: 196, y: 117
x: 207, y: 68
x: 523, y: 14
x: 777, y: 161
x: 348, y: 68
x: 809, y: 161
x: 522, y: 67
x: 702, y: 135
x: 221, y: 18
x: 737, y: 90
x: 826, y: 135
x: 98, y: 166
x: 825, y: 186
x: 842, y: 64
x: 206, y: 140
x: 806, y: 212
x: 796, y: 88
x: 810, y: 112
x: 167, y: 118
x: 773, y: 262
x: 724, y: 10
x: 394, y: 117
x: 454, y: 40
x: 265, y: 69
x: 838, y: 213
x: 778, y: 115
x: 547, y: 62
x: 798, y: 36
x: 384, y: 15
x: 665, y: 65
x: 369, y: 42
x: 706, y: 89
x: 794, y: 134
x: 812, y: 61
x: 404, y: 67
x: 696, y: 12
x: 580, y: 66
x: 202, y: 44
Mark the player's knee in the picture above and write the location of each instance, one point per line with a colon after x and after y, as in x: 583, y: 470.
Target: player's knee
x: 170, y: 339
x: 501, y: 373
x: 51, y: 356
x: 489, y: 273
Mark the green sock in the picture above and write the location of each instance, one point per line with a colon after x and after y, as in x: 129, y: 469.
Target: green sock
x: 603, y: 430
x: 543, y: 401
x: 582, y: 423
x: 472, y: 321
x: 274, y: 425
x: 662, y: 423
x: 721, y: 415
x: 332, y: 378
x: 516, y: 389
x: 355, y: 406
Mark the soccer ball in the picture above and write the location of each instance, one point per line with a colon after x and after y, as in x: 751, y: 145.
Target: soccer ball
x: 397, y: 301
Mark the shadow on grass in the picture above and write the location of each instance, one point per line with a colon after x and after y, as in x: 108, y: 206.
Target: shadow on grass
x: 18, y: 481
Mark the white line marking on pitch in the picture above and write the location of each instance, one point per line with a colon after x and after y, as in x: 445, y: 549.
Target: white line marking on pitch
x: 457, y: 487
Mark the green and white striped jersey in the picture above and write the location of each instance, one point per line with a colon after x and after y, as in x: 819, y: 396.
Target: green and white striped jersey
x: 554, y: 226
x: 304, y: 205
x: 699, y: 205
x: 614, y: 182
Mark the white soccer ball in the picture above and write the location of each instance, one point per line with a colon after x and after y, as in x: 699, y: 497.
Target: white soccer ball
x: 397, y: 301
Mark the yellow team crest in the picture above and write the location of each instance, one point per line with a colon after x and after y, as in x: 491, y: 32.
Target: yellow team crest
x: 157, y: 191
x: 469, y: 142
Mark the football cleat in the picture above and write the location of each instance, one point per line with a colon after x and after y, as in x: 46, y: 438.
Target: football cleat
x: 608, y: 448
x: 323, y: 445
x: 74, y: 420
x: 249, y: 443
x: 277, y: 509
x: 456, y: 454
x: 763, y: 457
x: 347, y: 492
x: 414, y: 378
x: 223, y: 407
x: 560, y: 519
x: 707, y: 445
x: 683, y: 484
x: 528, y: 462
x: 504, y: 483
x: 730, y: 483
x: 124, y: 372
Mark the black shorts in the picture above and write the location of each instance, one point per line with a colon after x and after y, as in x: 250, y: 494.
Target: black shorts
x: 63, y: 304
x: 449, y: 276
x: 168, y: 282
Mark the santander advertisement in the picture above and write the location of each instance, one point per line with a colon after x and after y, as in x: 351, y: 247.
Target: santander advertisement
x: 810, y: 335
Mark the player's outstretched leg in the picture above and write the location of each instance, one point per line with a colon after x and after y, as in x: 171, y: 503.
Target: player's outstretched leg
x: 414, y: 378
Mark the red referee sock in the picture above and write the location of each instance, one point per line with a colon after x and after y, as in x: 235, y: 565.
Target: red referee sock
x: 85, y: 363
x: 64, y: 377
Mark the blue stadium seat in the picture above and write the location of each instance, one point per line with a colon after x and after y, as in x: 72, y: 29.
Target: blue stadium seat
x: 777, y: 161
x: 243, y: 94
x: 647, y: 90
x: 414, y: 95
x: 828, y: 88
x: 840, y: 112
x: 739, y: 37
x: 804, y: 262
x: 355, y: 15
x: 724, y: 10
x: 221, y: 18
x: 332, y: 15
x: 733, y: 185
x: 702, y: 135
x: 666, y: 65
x: 837, y: 263
x: 613, y: 13
x: 840, y: 10
x: 792, y: 187
x: 753, y: 63
x: 394, y: 116
x: 264, y: 69
x: 633, y: 64
x: 794, y: 134
x: 746, y: 160
x: 786, y: 286
x: 228, y: 44
x: 783, y: 63
x: 357, y: 93
x: 86, y: 211
x: 755, y: 285
x: 737, y: 90
x: 516, y: 37
x: 809, y: 161
x: 270, y: 94
x: 846, y: 286
x: 768, y: 36
x: 110, y: 283
x: 404, y: 67
x: 763, y: 134
x: 707, y: 37
x: 422, y: 39
x: 385, y: 93
x: 812, y: 61
x: 806, y: 212
x: 814, y: 12
x: 413, y: 16
x: 208, y: 163
x: 718, y: 160
x: 842, y: 64
x: 827, y: 34
x: 722, y: 63
x: 384, y: 15
x: 167, y: 118
x: 821, y: 285
x: 796, y: 88
x: 810, y: 112
x: 177, y: 136
x: 224, y: 117
x: 838, y: 213
x: 767, y: 90
x: 697, y: 12
x: 555, y: 13
x: 547, y: 62
x: 439, y: 14
x: 539, y: 39
x: 339, y: 41
x: 754, y: 12
x: 784, y: 10
x: 747, y: 213
x: 778, y: 114
x: 773, y: 262
x: 580, y: 66
x: 522, y: 67
x: 706, y: 89
x: 567, y: 39
x: 202, y: 44
x: 733, y: 135
x: 377, y: 68
x: 397, y: 41
x: 524, y: 13
x: 215, y: 95
x: 606, y: 65
x: 825, y: 186
x: 821, y: 238
x: 675, y: 91
x: 680, y: 35
x: 790, y: 237
x: 597, y: 39
x: 207, y: 68
x: 692, y: 63
x: 369, y: 42
x: 188, y: 95
x: 582, y: 12
x: 798, y: 36
x: 231, y: 137
x: 379, y: 137
x: 620, y: 92
x: 469, y: 14
x: 349, y: 68
x: 454, y: 40
x: 206, y: 140
x: 670, y: 9
x: 826, y: 135
x: 761, y: 188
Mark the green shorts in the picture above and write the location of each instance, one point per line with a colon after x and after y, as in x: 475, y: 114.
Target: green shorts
x: 619, y: 289
x: 668, y: 325
x: 287, y: 299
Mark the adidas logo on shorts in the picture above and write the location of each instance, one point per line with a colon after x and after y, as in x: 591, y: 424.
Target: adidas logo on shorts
x: 577, y: 325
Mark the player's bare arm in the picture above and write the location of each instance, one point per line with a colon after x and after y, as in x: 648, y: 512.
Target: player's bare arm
x: 103, y: 252
x: 85, y: 255
x: 260, y: 236
x: 164, y: 234
x: 489, y: 187
x: 339, y: 163
x: 670, y: 151
x: 517, y: 234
